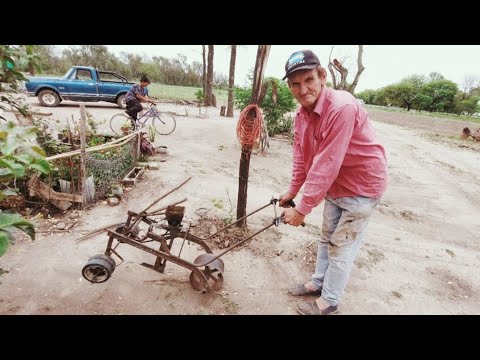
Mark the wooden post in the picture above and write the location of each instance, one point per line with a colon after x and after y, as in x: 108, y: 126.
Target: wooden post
x: 139, y: 144
x: 262, y: 57
x: 222, y: 111
x: 83, y: 153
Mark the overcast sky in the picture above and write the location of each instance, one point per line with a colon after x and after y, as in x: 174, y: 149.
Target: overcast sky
x: 384, y: 64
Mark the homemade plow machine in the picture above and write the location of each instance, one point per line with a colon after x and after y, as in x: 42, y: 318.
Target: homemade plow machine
x: 206, y: 270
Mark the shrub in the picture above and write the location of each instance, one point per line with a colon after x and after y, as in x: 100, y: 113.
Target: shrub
x: 277, y: 115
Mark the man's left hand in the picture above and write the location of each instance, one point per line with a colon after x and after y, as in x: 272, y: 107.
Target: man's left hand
x: 292, y: 217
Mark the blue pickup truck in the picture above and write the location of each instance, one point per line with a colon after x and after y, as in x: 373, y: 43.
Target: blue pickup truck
x: 80, y: 83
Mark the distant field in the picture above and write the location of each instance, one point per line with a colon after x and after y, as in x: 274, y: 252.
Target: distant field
x: 474, y: 119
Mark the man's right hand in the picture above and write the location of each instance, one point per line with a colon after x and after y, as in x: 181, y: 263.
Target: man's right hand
x: 284, y: 199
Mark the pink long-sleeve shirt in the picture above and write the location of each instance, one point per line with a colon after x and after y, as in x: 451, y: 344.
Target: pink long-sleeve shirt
x: 336, y: 152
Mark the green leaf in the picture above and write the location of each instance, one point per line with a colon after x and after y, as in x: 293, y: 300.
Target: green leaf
x: 7, y: 220
x: 24, y: 158
x: 4, y: 241
x: 5, y: 171
x: 38, y: 150
x: 41, y: 165
x: 17, y: 169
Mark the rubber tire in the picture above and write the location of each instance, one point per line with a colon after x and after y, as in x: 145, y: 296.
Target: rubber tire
x: 120, y: 101
x: 159, y: 126
x: 116, y: 123
x: 106, y: 258
x: 99, y: 262
x: 45, y: 92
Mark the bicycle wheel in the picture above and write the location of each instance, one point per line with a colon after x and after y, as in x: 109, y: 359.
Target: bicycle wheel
x: 164, y: 123
x: 117, y: 121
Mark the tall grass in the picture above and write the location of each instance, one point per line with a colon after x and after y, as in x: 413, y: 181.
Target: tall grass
x: 173, y: 92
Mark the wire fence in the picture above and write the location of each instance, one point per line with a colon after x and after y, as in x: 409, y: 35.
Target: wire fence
x: 105, y: 166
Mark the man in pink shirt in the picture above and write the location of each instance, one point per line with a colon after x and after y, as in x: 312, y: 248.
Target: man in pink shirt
x: 336, y: 158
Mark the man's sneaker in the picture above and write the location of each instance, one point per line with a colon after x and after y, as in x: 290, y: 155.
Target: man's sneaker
x: 313, y: 308
x: 301, y: 290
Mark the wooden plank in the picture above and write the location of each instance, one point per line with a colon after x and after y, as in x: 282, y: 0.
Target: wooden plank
x: 129, y: 180
x: 42, y: 190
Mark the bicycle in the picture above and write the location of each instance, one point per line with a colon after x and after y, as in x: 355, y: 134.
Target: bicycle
x: 164, y: 123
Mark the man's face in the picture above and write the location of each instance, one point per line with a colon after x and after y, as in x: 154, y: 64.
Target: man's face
x: 144, y: 84
x: 306, y: 86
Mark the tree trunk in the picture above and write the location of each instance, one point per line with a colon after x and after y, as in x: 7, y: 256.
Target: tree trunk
x: 360, y: 69
x: 260, y: 64
x: 204, y: 73
x: 231, y: 80
x: 31, y: 68
x: 341, y: 84
x: 209, y: 90
x: 409, y: 105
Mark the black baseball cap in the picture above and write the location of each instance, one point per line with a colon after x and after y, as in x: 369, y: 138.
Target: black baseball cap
x: 301, y: 60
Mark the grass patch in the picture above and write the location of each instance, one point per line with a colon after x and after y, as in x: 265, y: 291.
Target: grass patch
x: 173, y: 92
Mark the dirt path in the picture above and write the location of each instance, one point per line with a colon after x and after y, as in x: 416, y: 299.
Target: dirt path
x: 420, y: 254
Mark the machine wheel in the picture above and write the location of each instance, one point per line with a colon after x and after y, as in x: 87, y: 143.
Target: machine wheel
x: 213, y: 272
x: 215, y: 279
x: 98, y: 269
x: 105, y: 257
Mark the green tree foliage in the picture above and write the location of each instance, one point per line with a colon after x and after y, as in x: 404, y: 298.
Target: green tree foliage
x: 367, y: 96
x: 431, y: 93
x: 468, y: 106
x: 17, y: 152
x: 440, y: 95
x: 10, y: 71
x: 276, y: 115
x: 403, y: 94
x: 417, y: 80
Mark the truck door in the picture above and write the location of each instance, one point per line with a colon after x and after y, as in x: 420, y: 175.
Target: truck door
x: 111, y: 84
x: 82, y: 86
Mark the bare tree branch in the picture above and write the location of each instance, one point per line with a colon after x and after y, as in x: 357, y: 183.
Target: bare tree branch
x: 342, y: 85
x: 330, y: 68
x: 360, y: 69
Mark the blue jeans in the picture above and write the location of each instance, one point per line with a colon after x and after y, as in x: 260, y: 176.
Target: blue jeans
x: 345, y: 222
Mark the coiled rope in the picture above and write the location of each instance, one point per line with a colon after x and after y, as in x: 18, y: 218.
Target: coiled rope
x: 249, y: 126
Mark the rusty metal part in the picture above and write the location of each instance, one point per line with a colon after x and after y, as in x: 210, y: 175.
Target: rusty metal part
x: 213, y: 273
x: 174, y: 215
x: 206, y: 270
x: 215, y: 280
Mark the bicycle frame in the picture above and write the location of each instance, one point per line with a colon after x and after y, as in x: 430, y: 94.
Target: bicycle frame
x: 164, y: 123
x: 152, y: 112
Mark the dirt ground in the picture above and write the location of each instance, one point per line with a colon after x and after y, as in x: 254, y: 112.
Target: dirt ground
x: 420, y: 256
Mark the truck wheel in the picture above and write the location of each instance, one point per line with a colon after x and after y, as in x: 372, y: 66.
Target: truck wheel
x: 48, y: 98
x: 121, y: 102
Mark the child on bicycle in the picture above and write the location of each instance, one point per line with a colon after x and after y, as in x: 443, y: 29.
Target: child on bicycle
x: 138, y: 93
